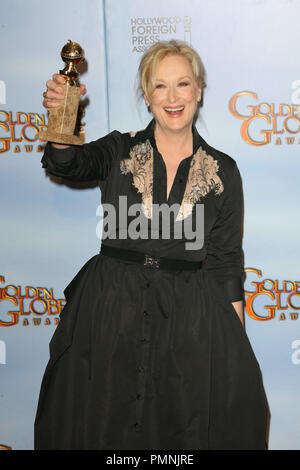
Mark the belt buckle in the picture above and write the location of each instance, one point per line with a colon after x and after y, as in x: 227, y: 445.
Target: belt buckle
x: 151, y: 261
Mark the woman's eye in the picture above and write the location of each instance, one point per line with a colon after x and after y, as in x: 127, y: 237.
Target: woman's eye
x: 159, y: 85
x: 184, y: 84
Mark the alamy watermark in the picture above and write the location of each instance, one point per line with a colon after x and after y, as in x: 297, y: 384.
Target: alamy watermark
x: 296, y: 354
x: 2, y: 352
x: 2, y: 92
x: 295, y: 97
x: 166, y: 222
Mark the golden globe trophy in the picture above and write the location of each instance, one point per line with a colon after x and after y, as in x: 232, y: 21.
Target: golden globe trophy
x: 64, y: 121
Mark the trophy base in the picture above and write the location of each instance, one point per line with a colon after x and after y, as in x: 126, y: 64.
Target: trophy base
x: 66, y: 139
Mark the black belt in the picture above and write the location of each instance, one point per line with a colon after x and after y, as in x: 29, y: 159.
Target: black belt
x: 150, y: 261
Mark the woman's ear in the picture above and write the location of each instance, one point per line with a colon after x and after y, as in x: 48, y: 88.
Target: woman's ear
x: 199, y: 95
x: 146, y: 101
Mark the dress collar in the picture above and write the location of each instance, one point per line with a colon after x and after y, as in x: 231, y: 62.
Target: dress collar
x: 149, y: 134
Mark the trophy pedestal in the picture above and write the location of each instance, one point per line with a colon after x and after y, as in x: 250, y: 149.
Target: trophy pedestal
x: 66, y: 139
x: 62, y: 120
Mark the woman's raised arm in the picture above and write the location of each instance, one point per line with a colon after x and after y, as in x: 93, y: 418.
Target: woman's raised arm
x: 91, y: 161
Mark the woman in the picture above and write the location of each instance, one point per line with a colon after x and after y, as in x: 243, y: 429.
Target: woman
x: 151, y: 352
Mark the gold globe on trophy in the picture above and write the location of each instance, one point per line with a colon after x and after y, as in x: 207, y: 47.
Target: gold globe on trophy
x: 64, y: 121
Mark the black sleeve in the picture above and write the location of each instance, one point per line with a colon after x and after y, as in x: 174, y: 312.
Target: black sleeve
x: 224, y: 251
x: 88, y: 162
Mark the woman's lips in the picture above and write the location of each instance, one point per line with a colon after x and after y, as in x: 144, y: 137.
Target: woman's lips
x: 175, y: 111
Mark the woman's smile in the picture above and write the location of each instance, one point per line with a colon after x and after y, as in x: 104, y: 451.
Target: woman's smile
x: 174, y: 112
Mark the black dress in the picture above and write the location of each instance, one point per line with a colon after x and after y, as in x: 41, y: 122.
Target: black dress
x: 147, y: 358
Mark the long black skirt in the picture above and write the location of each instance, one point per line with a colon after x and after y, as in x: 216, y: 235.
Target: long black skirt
x: 149, y: 359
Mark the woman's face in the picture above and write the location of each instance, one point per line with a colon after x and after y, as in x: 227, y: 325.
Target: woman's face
x: 174, y: 99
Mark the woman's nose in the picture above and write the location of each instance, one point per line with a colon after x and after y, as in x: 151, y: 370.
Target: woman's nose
x: 172, y: 94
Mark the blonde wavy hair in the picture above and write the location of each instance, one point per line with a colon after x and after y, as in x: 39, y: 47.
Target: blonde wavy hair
x: 153, y: 56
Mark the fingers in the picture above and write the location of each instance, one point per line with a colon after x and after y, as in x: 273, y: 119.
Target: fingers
x: 49, y: 104
x: 82, y: 89
x: 54, y: 93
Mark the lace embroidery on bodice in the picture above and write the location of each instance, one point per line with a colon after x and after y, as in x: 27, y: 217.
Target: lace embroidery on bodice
x: 202, y: 177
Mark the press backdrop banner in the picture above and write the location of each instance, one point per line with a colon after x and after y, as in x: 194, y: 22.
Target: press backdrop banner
x: 49, y: 229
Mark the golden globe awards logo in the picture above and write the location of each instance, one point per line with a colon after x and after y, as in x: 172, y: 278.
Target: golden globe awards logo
x: 265, y: 123
x: 28, y: 305
x: 267, y: 299
x: 19, y: 131
x: 147, y: 31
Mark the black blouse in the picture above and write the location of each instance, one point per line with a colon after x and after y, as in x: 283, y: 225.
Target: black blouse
x: 131, y: 171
